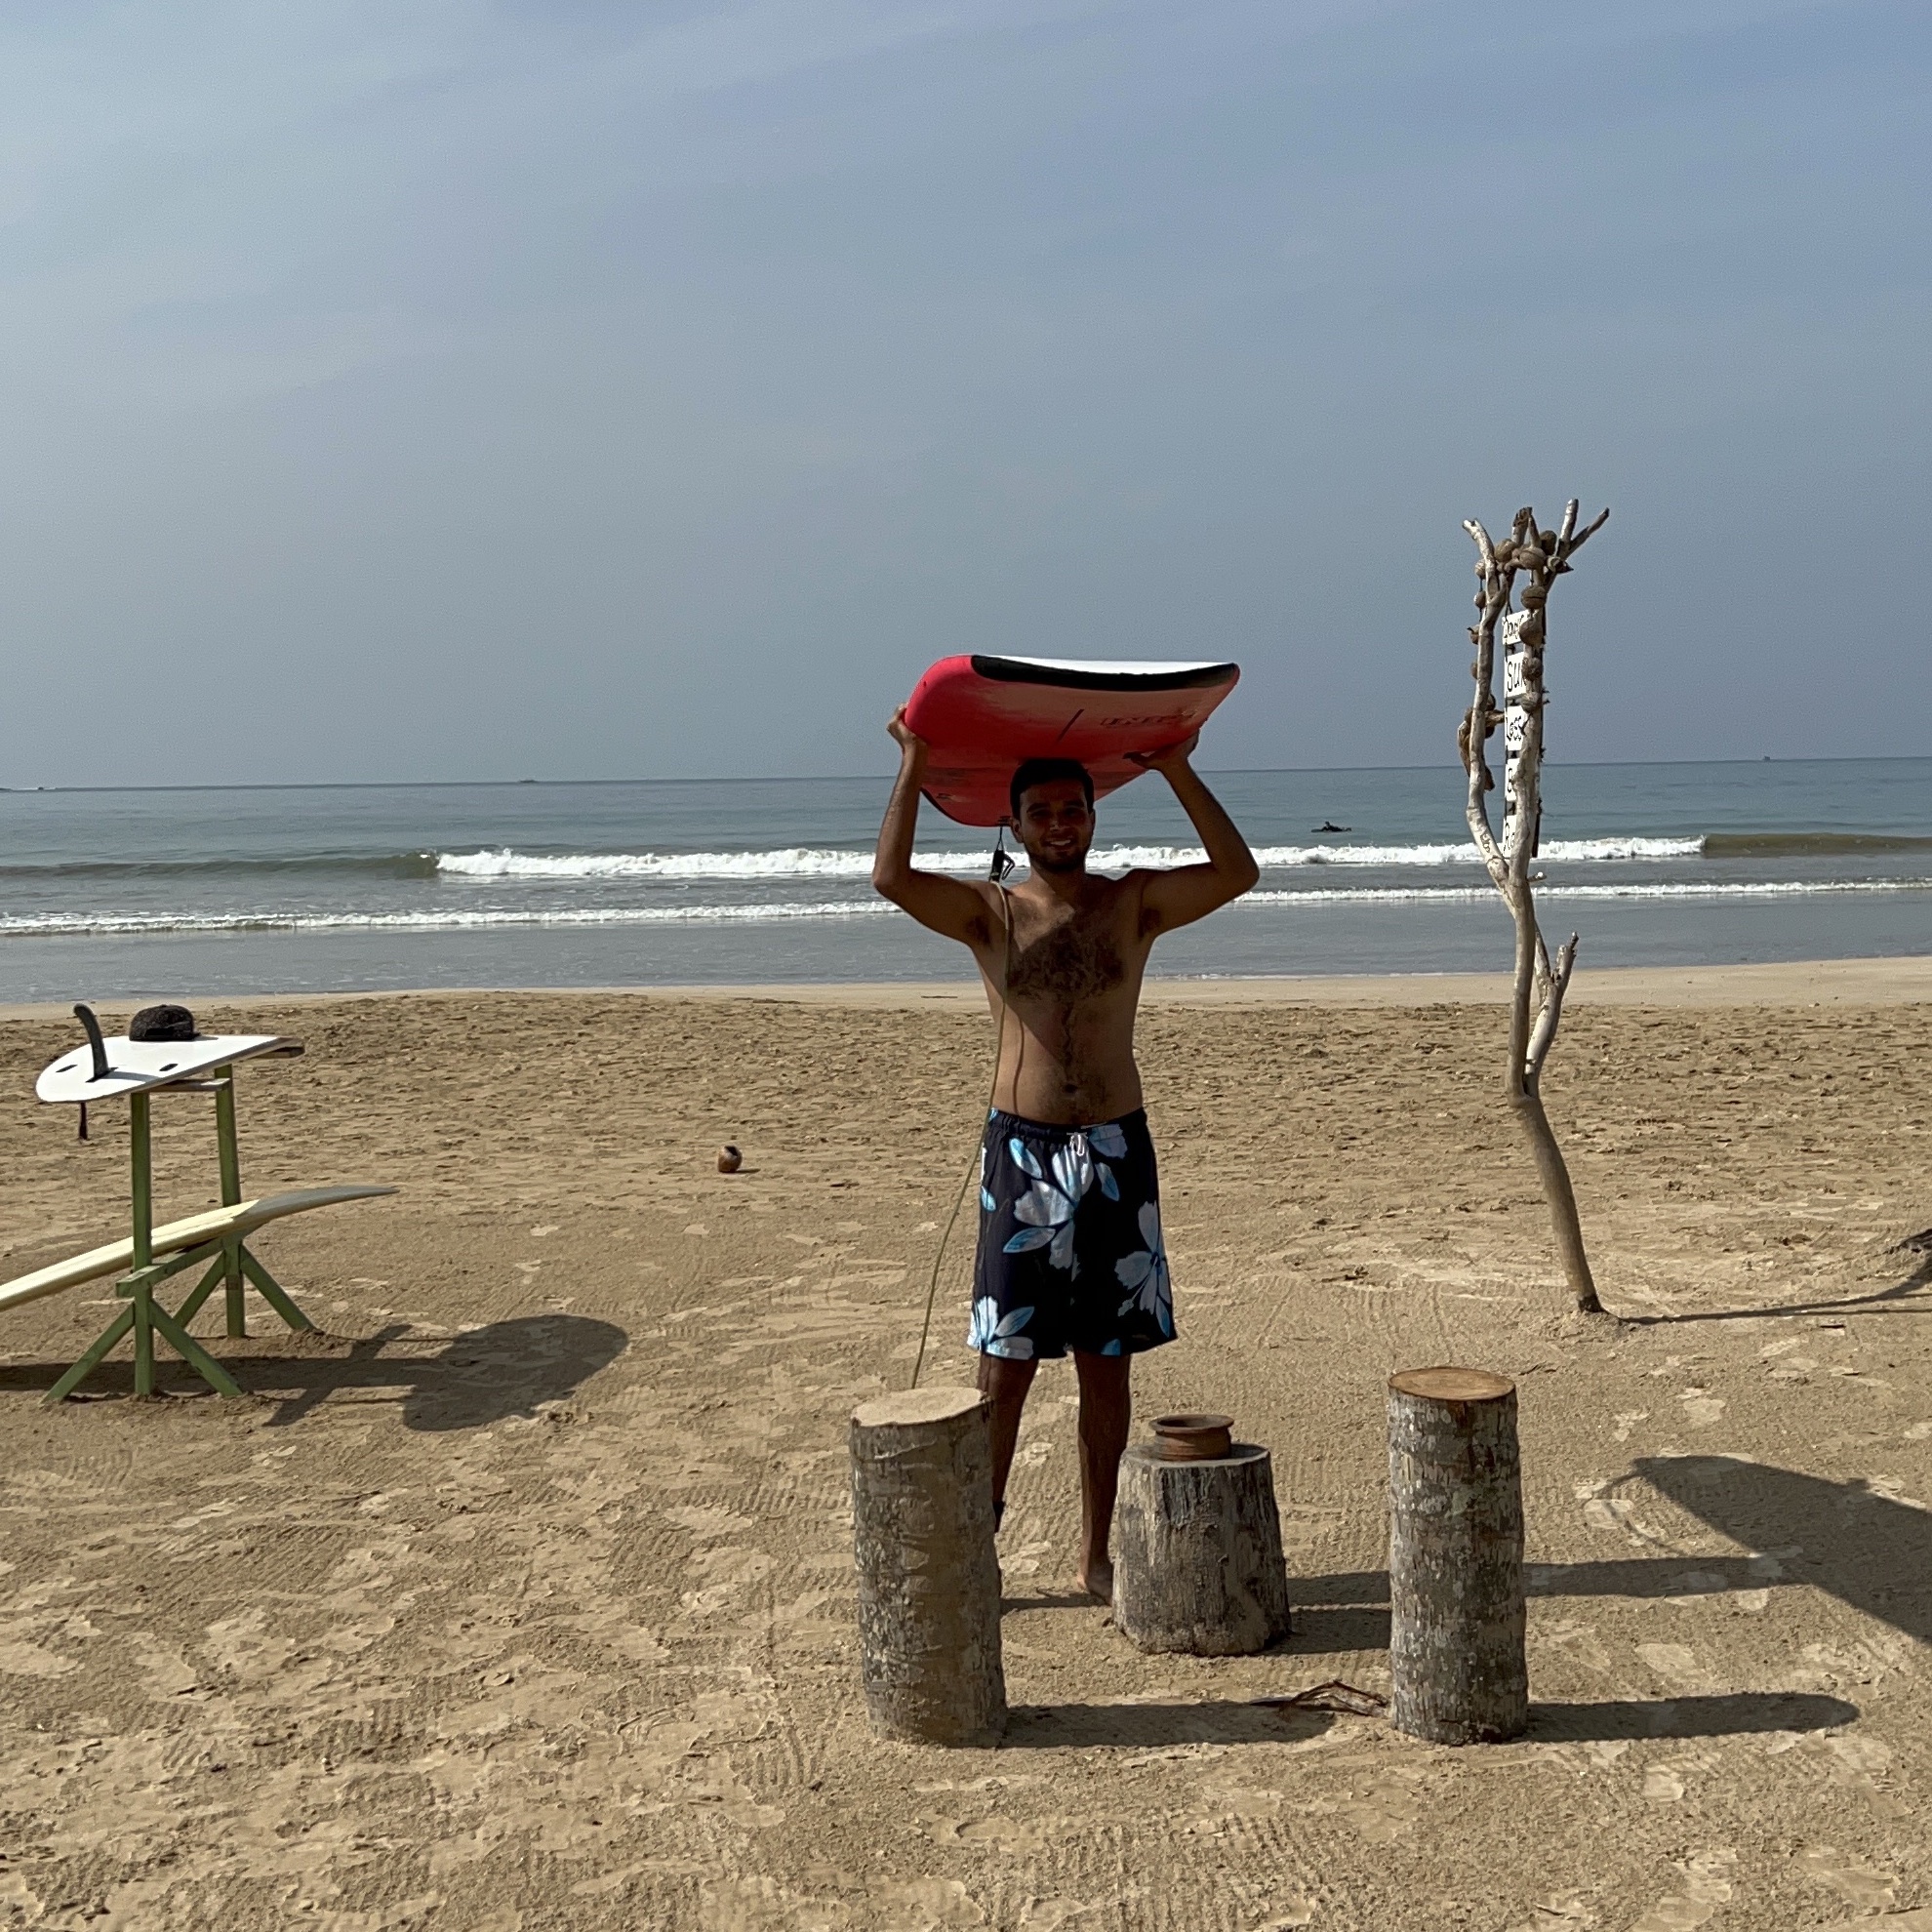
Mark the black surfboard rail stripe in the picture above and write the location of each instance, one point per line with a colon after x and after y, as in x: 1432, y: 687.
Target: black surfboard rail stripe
x: 1017, y: 671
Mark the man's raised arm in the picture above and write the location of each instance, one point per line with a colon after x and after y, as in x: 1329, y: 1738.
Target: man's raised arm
x: 1191, y: 892
x: 947, y: 906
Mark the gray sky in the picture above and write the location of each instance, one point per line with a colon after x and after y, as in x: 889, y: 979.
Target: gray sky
x: 586, y: 391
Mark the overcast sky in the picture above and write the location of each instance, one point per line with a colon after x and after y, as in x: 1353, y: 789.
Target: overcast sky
x: 452, y: 390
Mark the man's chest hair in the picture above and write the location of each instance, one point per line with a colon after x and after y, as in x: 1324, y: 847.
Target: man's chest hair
x: 1070, y: 959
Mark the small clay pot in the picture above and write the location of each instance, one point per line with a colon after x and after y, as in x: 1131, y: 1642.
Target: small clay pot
x: 1193, y: 1439
x: 730, y: 1160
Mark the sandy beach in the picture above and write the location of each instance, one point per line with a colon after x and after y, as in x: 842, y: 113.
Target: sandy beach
x: 522, y: 1598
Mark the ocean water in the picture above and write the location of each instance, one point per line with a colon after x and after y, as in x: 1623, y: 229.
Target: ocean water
x: 110, y: 894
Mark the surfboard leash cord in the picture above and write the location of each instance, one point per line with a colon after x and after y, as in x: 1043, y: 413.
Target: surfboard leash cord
x: 992, y: 1094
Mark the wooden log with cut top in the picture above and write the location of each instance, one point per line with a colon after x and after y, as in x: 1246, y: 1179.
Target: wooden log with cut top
x: 1197, y: 1563
x: 928, y: 1578
x: 1456, y: 1557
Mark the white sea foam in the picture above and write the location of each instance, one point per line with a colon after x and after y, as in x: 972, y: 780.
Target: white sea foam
x: 81, y: 924
x: 800, y: 862
x: 791, y: 861
x: 1692, y: 889
x: 76, y: 925
x: 1457, y: 852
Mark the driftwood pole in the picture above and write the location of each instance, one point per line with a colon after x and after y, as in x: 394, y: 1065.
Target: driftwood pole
x: 1456, y: 1557
x: 1197, y: 1562
x: 928, y: 1578
x: 1537, y: 1000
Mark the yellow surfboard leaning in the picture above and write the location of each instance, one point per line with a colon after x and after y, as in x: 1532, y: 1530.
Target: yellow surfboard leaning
x: 171, y: 1239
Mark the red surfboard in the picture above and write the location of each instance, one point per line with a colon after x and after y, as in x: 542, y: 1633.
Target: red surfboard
x: 983, y: 715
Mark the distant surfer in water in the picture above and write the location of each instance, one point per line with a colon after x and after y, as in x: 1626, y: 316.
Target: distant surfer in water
x: 1071, y: 1253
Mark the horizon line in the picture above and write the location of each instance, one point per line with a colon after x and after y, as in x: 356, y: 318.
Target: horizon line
x: 856, y: 778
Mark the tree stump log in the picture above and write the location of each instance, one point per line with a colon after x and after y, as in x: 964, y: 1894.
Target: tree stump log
x: 1198, y: 1560
x: 1456, y: 1557
x: 928, y: 1578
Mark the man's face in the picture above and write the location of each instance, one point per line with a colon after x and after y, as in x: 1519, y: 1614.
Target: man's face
x: 1056, y: 824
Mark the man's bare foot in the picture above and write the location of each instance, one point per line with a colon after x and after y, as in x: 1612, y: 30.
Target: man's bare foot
x: 1097, y: 1579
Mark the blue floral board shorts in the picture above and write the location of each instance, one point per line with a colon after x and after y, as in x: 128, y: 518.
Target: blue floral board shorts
x: 1071, y: 1253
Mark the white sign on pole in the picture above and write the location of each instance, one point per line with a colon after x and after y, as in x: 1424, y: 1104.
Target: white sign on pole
x: 1516, y: 719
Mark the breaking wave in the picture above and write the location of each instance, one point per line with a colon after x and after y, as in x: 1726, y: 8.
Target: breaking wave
x: 126, y: 925
x: 1654, y: 889
x: 365, y: 864
x: 800, y: 862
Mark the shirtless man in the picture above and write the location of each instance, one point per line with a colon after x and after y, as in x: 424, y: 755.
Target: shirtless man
x: 1071, y: 1252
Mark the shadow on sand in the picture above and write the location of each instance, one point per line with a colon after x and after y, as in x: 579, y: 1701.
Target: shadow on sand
x: 1882, y: 1301
x: 1150, y: 1726
x: 508, y: 1368
x: 1844, y: 1538
x: 1688, y: 1717
x: 1063, y: 1599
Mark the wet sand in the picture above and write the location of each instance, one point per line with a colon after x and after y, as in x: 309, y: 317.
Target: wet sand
x: 522, y: 1599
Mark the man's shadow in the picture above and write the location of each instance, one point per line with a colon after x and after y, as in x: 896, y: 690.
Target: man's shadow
x: 508, y: 1368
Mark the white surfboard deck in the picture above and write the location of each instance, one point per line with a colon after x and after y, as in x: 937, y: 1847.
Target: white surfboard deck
x: 1122, y: 667
x: 118, y: 1256
x: 135, y: 1065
